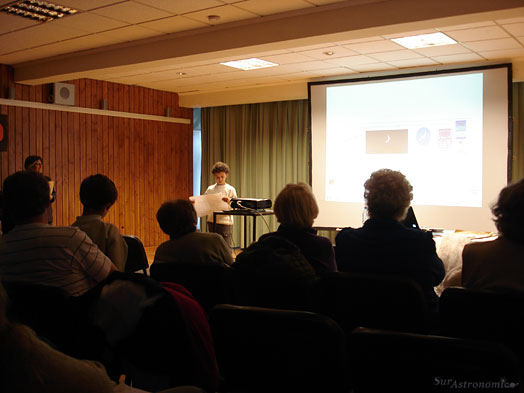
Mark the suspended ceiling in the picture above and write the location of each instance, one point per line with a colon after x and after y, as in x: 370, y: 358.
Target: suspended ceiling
x: 175, y: 45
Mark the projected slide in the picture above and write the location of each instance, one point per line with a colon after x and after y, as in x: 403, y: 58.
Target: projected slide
x: 430, y: 129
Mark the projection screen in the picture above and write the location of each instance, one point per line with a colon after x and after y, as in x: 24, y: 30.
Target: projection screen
x: 448, y: 131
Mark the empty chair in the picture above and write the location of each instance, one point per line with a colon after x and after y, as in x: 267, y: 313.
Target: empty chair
x: 385, y: 302
x: 388, y: 361
x: 208, y: 283
x: 136, y: 255
x: 270, y: 350
x: 484, y: 314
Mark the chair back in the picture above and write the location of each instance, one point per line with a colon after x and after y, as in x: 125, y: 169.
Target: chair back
x: 270, y: 350
x: 55, y: 316
x: 208, y: 283
x: 136, y: 255
x: 388, y: 361
x: 384, y: 302
x: 484, y: 314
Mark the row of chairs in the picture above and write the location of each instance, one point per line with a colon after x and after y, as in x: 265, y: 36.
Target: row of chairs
x: 260, y: 350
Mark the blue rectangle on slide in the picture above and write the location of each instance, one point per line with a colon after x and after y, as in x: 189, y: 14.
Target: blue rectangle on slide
x: 387, y: 142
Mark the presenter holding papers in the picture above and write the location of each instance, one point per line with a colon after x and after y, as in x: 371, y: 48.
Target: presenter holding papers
x: 224, y: 223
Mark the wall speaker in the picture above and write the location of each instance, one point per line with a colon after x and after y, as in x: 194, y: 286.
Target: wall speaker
x: 62, y: 94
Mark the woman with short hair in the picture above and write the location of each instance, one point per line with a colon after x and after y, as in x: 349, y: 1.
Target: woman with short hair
x: 383, y: 245
x: 296, y: 208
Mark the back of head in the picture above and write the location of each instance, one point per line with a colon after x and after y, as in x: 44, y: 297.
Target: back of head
x: 509, y: 212
x: 296, y: 206
x: 97, y: 191
x: 30, y: 160
x: 26, y: 195
x: 220, y: 167
x: 177, y: 218
x: 388, y: 194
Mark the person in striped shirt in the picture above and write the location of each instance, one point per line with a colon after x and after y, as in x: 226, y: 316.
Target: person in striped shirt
x: 36, y: 252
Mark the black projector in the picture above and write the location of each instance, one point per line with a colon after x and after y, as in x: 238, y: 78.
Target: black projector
x: 250, y: 203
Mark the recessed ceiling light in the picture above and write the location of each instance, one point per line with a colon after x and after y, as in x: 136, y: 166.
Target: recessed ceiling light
x: 328, y: 53
x: 249, y: 64
x: 180, y: 73
x: 213, y: 18
x: 424, y: 40
x: 38, y: 10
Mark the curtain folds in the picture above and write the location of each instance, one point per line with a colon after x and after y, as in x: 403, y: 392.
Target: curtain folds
x: 266, y: 147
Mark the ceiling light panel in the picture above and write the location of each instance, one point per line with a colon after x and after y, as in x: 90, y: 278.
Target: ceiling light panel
x: 249, y: 64
x: 424, y: 40
x: 38, y: 10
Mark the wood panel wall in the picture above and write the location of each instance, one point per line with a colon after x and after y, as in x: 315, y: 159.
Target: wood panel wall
x: 149, y: 161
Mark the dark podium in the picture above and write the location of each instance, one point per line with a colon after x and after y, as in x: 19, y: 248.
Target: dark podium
x: 245, y: 213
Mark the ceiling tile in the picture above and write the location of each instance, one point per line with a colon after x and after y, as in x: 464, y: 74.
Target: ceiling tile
x: 510, y: 20
x: 173, y: 24
x: 313, y: 47
x: 287, y: 58
x: 131, y: 12
x: 459, y: 58
x: 373, y: 67
x: 33, y: 37
x: 125, y: 34
x: 403, y: 54
x: 268, y: 7
x: 338, y: 51
x: 179, y: 7
x: 89, y: 22
x: 333, y: 71
x: 413, y: 63
x: 359, y: 40
x: 481, y: 33
x: 227, y: 13
x: 490, y: 45
x: 10, y: 22
x: 502, y: 54
x: 467, y: 26
x: 410, y: 33
x: 85, y: 5
x: 352, y: 60
x: 323, y: 2
x: 442, y: 50
x: 516, y: 29
x: 374, y: 46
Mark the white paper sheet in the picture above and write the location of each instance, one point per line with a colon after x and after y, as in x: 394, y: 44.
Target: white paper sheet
x: 207, y: 204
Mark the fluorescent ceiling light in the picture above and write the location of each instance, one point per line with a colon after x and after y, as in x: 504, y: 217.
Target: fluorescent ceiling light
x: 249, y: 64
x: 38, y: 10
x: 424, y: 40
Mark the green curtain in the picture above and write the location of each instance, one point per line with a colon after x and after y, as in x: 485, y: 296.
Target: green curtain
x: 517, y: 157
x: 266, y: 147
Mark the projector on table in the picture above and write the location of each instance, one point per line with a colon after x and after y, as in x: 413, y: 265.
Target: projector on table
x: 250, y: 203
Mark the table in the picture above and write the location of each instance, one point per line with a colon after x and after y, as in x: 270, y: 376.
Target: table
x: 245, y: 213
x: 449, y: 246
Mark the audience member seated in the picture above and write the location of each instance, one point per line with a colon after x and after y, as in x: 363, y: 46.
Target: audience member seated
x: 296, y: 209
x: 36, y: 252
x: 383, y: 245
x: 499, y: 264
x: 272, y: 272
x: 178, y: 219
x: 97, y: 194
x: 28, y: 364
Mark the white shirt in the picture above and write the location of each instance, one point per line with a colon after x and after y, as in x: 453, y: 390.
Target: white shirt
x: 226, y: 190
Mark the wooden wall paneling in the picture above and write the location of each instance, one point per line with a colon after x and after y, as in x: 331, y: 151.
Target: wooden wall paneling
x: 18, y: 138
x: 61, y: 172
x: 25, y: 127
x: 71, y: 163
x: 50, y: 129
x: 4, y: 158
